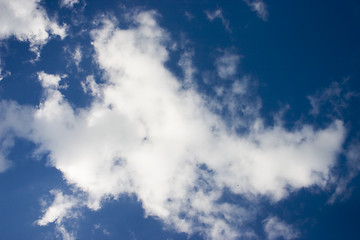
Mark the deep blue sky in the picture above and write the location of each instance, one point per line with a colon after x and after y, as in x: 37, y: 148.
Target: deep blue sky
x: 301, y: 50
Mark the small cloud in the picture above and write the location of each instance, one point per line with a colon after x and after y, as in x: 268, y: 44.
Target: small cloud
x: 6, y: 143
x: 68, y: 3
x: 77, y: 56
x: 50, y: 80
x: 259, y: 7
x: 226, y: 65
x: 218, y: 14
x: 4, y: 74
x: 60, y: 208
x: 275, y: 229
x: 188, y: 15
x: 343, y: 191
x: 186, y: 64
x: 98, y: 226
x: 90, y: 86
x: 333, y: 100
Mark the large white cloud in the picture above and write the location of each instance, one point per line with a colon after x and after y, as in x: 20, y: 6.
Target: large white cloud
x: 27, y: 21
x: 145, y: 134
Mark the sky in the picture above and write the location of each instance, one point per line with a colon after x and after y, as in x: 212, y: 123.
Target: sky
x: 179, y: 120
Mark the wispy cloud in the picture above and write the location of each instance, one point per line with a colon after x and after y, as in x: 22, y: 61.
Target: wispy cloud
x: 4, y: 74
x: 335, y: 97
x: 259, y: 7
x: 218, y: 14
x: 275, y: 229
x: 227, y: 64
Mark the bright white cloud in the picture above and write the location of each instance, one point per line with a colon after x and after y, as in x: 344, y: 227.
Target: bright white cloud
x: 27, y: 21
x: 68, y: 3
x: 275, y: 229
x: 259, y: 7
x: 218, y: 14
x: 50, y: 80
x: 145, y: 134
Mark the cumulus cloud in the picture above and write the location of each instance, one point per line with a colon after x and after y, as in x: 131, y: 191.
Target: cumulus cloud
x: 145, y: 134
x: 27, y: 21
x: 218, y: 14
x: 259, y: 7
x: 275, y: 229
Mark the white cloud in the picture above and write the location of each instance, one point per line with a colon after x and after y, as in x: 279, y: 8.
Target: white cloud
x: 145, y: 134
x: 14, y: 122
x: 259, y: 7
x: 91, y: 87
x: 63, y: 207
x: 275, y: 229
x: 218, y: 14
x: 4, y: 75
x: 5, y: 144
x: 226, y: 65
x: 50, y: 80
x: 64, y: 233
x: 332, y: 100
x: 60, y: 208
x: 77, y: 56
x: 342, y: 182
x: 186, y: 65
x: 27, y: 21
x: 68, y: 3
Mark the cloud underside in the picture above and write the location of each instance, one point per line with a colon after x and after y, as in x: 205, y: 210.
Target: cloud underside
x: 145, y: 134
